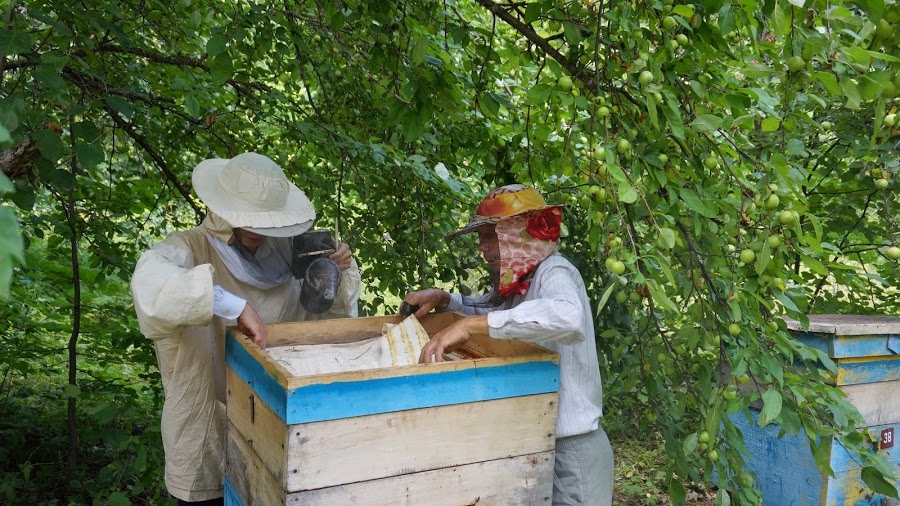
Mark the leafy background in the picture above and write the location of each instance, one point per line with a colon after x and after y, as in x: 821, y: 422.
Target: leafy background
x: 724, y: 165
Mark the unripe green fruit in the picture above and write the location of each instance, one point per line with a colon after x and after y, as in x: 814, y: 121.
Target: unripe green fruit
x: 703, y: 437
x: 603, y: 111
x: 621, y: 297
x: 645, y: 77
x: 747, y: 256
x: 773, y: 241
x: 623, y: 145
x: 682, y: 39
x: 712, y: 455
x: 826, y: 125
x: 734, y: 329
x: 772, y: 201
x: 884, y: 29
x: 710, y: 162
x: 663, y: 158
x: 743, y: 379
x: 786, y: 217
x: 881, y: 184
x: 890, y: 120
x: 893, y: 253
x: 668, y: 22
x: 565, y: 82
x: 796, y: 63
x: 615, y: 265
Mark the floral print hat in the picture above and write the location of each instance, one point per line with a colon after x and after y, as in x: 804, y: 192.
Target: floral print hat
x: 527, y: 231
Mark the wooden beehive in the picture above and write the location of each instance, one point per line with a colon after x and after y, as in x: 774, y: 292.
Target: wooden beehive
x: 866, y: 351
x: 480, y: 429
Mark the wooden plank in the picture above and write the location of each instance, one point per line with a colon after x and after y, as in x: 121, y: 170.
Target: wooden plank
x: 850, y: 346
x: 878, y: 403
x: 497, y: 482
x: 394, y: 388
x: 231, y: 496
x: 264, y: 432
x: 848, y: 325
x: 378, y: 446
x: 867, y: 370
x: 786, y: 471
x: 386, y: 444
x: 473, y: 384
x: 346, y: 330
x: 249, y: 479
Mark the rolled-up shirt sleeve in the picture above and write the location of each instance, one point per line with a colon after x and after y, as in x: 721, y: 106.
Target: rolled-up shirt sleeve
x: 226, y: 304
x: 554, y: 314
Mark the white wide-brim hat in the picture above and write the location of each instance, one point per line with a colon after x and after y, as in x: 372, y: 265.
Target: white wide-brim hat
x: 251, y: 192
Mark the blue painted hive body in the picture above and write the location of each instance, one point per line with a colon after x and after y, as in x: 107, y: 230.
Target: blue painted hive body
x: 866, y: 350
x: 478, y: 428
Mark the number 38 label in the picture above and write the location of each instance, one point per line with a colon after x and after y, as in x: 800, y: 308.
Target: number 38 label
x: 887, y: 438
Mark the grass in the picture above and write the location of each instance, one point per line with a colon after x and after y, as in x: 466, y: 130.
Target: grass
x: 641, y: 477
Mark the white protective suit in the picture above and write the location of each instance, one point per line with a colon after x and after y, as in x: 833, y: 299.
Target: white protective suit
x: 173, y: 296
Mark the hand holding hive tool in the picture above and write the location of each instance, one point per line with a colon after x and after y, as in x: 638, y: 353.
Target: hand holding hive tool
x: 407, y: 309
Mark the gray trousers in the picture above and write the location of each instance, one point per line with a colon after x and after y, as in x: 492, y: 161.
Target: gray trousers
x: 583, y: 471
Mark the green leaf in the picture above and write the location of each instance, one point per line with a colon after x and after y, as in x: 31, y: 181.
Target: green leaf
x: 118, y: 499
x: 875, y: 481
x: 48, y: 76
x: 216, y: 45
x: 627, y: 193
x: 419, y: 49
x: 12, y: 248
x: 770, y: 124
x: 666, y: 238
x: 50, y: 145
x: 850, y: 92
x: 6, y: 185
x: 71, y: 390
x: 605, y: 296
x: 89, y: 155
x: 221, y: 69
x: 829, y: 82
x: 707, y: 123
x: 673, y: 115
x: 119, y: 105
x: 660, y: 296
x: 12, y: 43
x: 695, y: 204
x: 771, y: 407
x: 786, y: 301
x: 677, y: 492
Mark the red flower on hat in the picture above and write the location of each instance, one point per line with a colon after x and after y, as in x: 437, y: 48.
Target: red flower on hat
x: 544, y: 225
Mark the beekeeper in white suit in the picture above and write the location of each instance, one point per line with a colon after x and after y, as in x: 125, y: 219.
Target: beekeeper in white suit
x: 233, y: 269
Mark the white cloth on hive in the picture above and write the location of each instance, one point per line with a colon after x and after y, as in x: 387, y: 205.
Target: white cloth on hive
x: 398, y: 345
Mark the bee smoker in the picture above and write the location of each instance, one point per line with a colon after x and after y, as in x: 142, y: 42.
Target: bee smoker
x: 319, y: 274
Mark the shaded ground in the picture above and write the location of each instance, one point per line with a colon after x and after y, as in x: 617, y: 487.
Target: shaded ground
x: 640, y: 478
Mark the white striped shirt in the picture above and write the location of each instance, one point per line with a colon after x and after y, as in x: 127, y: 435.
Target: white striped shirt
x: 556, y: 314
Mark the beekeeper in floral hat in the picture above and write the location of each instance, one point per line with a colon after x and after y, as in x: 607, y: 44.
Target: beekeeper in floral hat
x: 233, y: 269
x: 538, y: 296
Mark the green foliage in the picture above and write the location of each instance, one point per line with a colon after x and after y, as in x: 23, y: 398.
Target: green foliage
x: 677, y: 134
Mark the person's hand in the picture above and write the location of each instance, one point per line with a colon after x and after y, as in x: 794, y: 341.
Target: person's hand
x: 252, y: 326
x: 343, y: 256
x: 428, y: 299
x: 452, y: 338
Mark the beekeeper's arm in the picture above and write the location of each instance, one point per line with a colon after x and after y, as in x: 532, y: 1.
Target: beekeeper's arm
x: 170, y: 292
